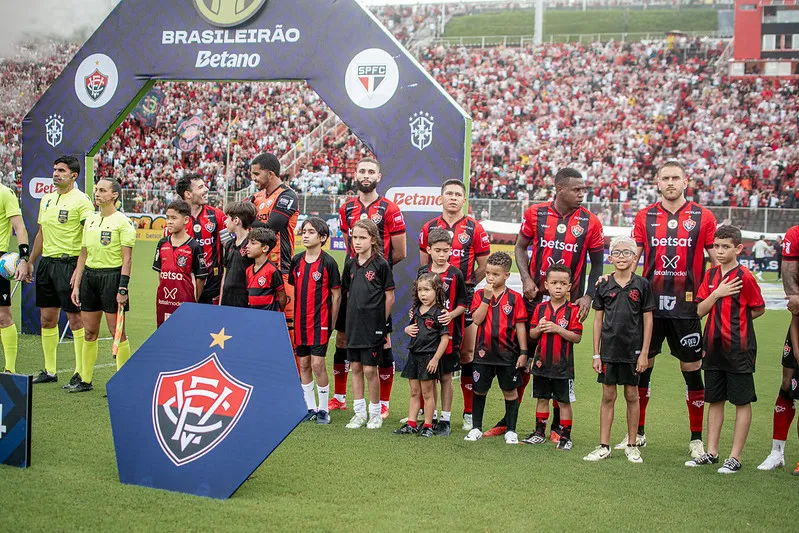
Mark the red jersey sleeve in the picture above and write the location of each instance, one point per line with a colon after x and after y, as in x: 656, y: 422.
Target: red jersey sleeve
x: 343, y: 224
x: 395, y: 222
x: 528, y: 223
x: 277, y: 281
x: 333, y: 275
x: 639, y: 228
x: 750, y: 290
x: 708, y: 228
x: 482, y: 245
x: 534, y: 316
x: 575, y: 325
x: 423, y: 237
x: 596, y: 236
x: 520, y: 313
x: 790, y: 246
x: 704, y: 289
x: 477, y: 300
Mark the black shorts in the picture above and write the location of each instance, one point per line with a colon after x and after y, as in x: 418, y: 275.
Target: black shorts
x: 738, y: 389
x: 560, y: 390
x: 5, y: 292
x: 211, y: 289
x: 788, y: 359
x: 450, y: 362
x: 52, y: 283
x: 98, y: 290
x: 341, y: 319
x: 467, y: 316
x: 318, y: 350
x: 508, y: 377
x: 416, y: 367
x: 683, y: 335
x: 618, y: 374
x: 365, y: 356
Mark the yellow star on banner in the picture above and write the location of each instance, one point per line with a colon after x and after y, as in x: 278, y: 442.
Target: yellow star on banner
x: 219, y: 339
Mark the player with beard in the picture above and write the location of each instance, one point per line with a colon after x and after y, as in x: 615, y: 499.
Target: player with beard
x: 672, y: 235
x: 369, y: 204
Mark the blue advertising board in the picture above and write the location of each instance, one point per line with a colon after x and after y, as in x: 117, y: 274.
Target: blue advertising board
x: 15, y: 420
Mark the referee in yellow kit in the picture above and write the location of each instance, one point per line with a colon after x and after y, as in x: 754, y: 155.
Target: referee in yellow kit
x: 11, y: 216
x: 58, y: 242
x: 102, y: 275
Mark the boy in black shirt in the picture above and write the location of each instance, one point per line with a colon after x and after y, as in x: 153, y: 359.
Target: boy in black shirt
x: 240, y: 218
x: 622, y: 331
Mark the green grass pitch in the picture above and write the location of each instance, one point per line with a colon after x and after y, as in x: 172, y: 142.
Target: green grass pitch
x: 327, y: 478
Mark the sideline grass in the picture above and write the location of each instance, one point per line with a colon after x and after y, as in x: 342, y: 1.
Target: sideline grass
x: 333, y: 479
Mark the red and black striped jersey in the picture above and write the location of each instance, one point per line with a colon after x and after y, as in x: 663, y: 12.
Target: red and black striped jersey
x: 383, y: 212
x: 729, y: 342
x: 564, y: 240
x: 176, y: 266
x: 790, y: 246
x: 313, y: 297
x: 469, y: 241
x: 497, y: 343
x: 455, y: 292
x: 279, y: 212
x: 554, y: 355
x: 674, y: 247
x: 205, y: 228
x: 263, y: 284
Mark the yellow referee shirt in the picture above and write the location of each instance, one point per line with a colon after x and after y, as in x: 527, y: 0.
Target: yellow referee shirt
x: 9, y: 207
x: 104, y: 237
x: 60, y: 216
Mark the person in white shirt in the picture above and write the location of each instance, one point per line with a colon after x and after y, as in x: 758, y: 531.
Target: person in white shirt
x: 760, y: 249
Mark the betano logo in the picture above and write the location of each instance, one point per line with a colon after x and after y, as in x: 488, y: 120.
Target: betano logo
x: 227, y: 13
x: 416, y: 198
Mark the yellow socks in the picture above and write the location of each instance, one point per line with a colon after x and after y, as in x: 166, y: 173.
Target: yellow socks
x: 89, y: 359
x: 8, y: 336
x: 50, y: 348
x: 123, y: 353
x: 78, y: 336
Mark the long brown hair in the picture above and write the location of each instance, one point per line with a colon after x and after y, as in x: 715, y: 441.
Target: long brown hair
x: 438, y: 287
x: 371, y: 229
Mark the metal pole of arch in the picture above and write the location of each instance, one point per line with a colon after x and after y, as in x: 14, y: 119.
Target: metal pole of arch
x: 227, y: 157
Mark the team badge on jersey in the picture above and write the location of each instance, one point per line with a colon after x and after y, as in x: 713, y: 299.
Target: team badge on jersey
x: 195, y: 408
x: 672, y: 224
x: 364, y: 216
x: 376, y: 218
x: 561, y: 228
x: 635, y: 295
x: 370, y: 275
x: 563, y: 323
x: 464, y: 238
x: 428, y: 323
x: 210, y: 227
x: 105, y: 238
x: 577, y: 230
x: 316, y: 276
x: 507, y: 309
x: 446, y: 286
x: 63, y: 216
x: 197, y: 228
x: 688, y: 224
x: 269, y: 203
x: 261, y: 281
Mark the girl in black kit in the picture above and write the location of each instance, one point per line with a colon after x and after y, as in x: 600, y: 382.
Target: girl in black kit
x: 429, y: 341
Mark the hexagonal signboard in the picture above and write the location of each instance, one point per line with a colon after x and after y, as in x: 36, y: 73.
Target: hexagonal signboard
x: 194, y: 409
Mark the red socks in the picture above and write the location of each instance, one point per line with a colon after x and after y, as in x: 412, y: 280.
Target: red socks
x: 643, y: 401
x: 386, y: 382
x: 696, y: 409
x: 784, y: 411
x: 467, y: 380
x: 340, y: 371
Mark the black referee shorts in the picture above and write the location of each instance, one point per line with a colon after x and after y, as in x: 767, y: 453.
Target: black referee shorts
x: 5, y: 292
x: 98, y: 290
x: 52, y: 283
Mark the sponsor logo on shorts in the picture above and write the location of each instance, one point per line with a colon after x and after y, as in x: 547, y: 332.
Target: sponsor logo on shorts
x: 475, y: 375
x: 691, y: 340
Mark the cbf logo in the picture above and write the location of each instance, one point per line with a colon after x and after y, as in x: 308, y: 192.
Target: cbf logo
x: 54, y: 128
x: 421, y: 124
x: 96, y: 80
x: 195, y: 408
x: 227, y: 13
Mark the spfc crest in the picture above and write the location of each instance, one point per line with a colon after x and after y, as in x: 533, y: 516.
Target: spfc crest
x: 181, y: 261
x: 195, y: 408
x: 371, y: 77
x: 464, y: 238
x: 316, y: 276
x: 63, y: 216
x: 377, y: 218
x: 688, y: 224
x: 54, y: 128
x: 105, y: 238
x: 507, y: 309
x: 95, y: 84
x: 577, y: 230
x: 421, y: 124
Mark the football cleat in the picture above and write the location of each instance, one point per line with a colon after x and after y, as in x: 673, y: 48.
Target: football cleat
x: 731, y: 466
x: 426, y: 433
x: 599, y: 453
x: 640, y: 441
x: 310, y: 416
x: 702, y: 460
x: 45, y: 377
x: 322, y: 417
x: 73, y: 381
x: 467, y: 422
x: 442, y: 429
x: 334, y: 405
x: 383, y: 411
x: 511, y: 437
x: 405, y: 430
x: 535, y: 438
x: 375, y: 422
x: 796, y: 471
x: 774, y: 460
x: 474, y: 434
x: 495, y: 431
x: 82, y: 387
x: 564, y: 443
x: 357, y: 421
x: 554, y: 434
x: 696, y: 448
x: 633, y: 454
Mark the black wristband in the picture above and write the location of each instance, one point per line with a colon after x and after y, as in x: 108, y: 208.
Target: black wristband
x: 24, y: 252
x: 523, y: 352
x: 124, y: 281
x: 486, y: 300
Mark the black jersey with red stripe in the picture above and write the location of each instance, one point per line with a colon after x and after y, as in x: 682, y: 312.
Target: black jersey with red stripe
x: 497, y: 343
x: 455, y: 292
x: 674, y: 247
x: 564, y: 240
x: 279, y: 212
x: 554, y: 355
x: 469, y: 241
x: 313, y: 297
x: 383, y: 212
x: 263, y: 284
x: 729, y: 340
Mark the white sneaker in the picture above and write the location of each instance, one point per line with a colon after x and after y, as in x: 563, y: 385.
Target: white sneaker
x: 759, y: 276
x: 467, y: 422
x: 419, y: 417
x: 375, y: 422
x: 511, y: 437
x: 696, y: 448
x: 474, y: 434
x: 356, y: 422
x: 599, y: 453
x: 640, y: 441
x: 633, y: 454
x: 774, y: 460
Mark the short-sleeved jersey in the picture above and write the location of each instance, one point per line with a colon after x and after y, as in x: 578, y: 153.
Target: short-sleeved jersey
x: 430, y: 330
x: 235, y: 262
x: 469, y: 241
x: 729, y: 340
x: 313, y: 297
x: 366, y: 287
x: 673, y: 250
x: 205, y: 228
x: 61, y: 217
x: 623, y: 319
x: 383, y: 212
x: 104, y: 237
x: 177, y: 265
x: 554, y: 355
x: 564, y: 240
x: 263, y: 284
x: 455, y: 292
x: 9, y: 207
x: 497, y: 343
x: 279, y: 211
x: 790, y: 245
